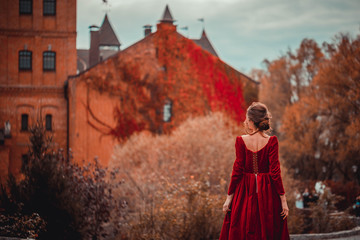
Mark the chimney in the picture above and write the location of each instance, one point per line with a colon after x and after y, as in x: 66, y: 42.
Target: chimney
x: 94, y: 53
x: 147, y: 30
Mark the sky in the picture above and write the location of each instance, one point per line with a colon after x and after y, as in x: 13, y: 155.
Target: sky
x: 243, y: 32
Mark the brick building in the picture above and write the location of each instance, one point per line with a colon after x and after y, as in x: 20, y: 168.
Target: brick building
x: 153, y: 85
x: 37, y: 54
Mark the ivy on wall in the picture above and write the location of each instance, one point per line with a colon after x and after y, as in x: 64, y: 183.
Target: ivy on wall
x: 178, y: 70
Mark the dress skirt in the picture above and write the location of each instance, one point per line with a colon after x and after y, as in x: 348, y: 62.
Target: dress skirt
x: 255, y: 211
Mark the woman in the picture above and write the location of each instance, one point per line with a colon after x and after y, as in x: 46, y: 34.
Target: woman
x: 256, y: 206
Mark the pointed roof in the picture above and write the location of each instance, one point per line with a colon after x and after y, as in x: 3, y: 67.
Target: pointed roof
x: 205, y: 43
x: 107, y: 34
x: 167, y: 17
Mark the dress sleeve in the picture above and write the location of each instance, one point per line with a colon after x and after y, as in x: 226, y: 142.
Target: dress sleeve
x: 275, y: 171
x: 238, y: 167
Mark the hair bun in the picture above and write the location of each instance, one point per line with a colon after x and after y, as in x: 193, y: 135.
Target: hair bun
x: 259, y: 115
x: 264, y: 125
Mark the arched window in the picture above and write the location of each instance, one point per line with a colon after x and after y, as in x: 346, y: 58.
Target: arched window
x: 167, y: 111
x: 49, y: 7
x: 25, y: 60
x: 24, y: 122
x: 48, y: 123
x: 49, y: 61
x: 25, y: 6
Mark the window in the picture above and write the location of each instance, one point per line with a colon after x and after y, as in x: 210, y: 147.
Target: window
x: 25, y: 60
x: 167, y: 111
x: 25, y: 6
x: 49, y: 60
x: 48, y: 123
x: 24, y: 122
x: 49, y: 7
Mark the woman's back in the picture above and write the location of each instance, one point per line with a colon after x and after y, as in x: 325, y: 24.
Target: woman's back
x: 256, y: 158
x: 255, y: 142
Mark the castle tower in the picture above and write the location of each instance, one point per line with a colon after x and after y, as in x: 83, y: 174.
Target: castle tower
x: 167, y: 21
x: 103, y: 44
x: 102, y: 39
x: 205, y: 43
x: 167, y: 17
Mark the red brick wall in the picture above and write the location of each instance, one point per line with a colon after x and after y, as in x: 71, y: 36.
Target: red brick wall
x: 86, y: 142
x: 34, y: 91
x: 37, y: 32
x: 34, y: 102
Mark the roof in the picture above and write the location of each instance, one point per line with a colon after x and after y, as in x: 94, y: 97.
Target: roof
x: 205, y: 43
x: 107, y: 34
x: 167, y: 17
x: 83, y: 57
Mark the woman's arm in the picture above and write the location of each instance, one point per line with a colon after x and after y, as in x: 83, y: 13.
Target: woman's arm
x: 275, y: 172
x: 285, y: 209
x: 236, y: 175
x: 238, y: 167
x: 226, y: 207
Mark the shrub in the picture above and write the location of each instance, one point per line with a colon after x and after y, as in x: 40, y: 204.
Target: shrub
x: 348, y: 190
x: 186, y: 210
x: 200, y: 145
x: 75, y: 201
x: 324, y: 216
x: 176, y: 184
x: 21, y: 226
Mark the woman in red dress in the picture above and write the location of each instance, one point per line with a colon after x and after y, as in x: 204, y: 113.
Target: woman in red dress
x: 256, y: 206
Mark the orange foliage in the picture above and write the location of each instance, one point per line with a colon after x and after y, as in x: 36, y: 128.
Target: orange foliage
x: 321, y: 129
x: 288, y: 77
x: 313, y: 94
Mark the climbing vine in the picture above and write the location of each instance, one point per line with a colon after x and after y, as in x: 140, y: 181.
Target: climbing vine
x: 181, y: 71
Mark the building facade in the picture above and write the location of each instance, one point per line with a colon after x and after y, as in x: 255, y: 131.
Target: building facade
x: 37, y: 54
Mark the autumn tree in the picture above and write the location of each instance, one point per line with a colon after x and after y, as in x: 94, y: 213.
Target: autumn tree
x: 321, y: 129
x: 275, y: 89
x: 286, y: 79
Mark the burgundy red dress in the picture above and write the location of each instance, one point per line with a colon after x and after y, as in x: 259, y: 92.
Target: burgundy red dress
x: 256, y: 206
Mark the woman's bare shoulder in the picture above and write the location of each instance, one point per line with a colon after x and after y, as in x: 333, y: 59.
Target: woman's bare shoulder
x: 264, y: 135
